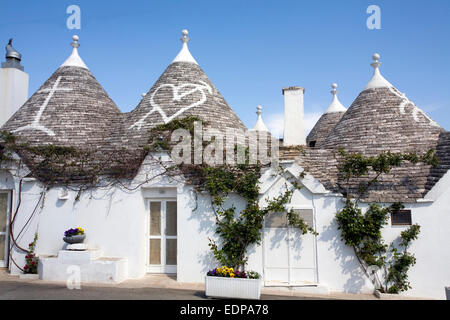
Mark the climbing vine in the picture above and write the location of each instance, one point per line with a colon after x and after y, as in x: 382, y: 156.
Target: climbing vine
x: 237, y: 230
x: 362, y: 230
x: 67, y: 166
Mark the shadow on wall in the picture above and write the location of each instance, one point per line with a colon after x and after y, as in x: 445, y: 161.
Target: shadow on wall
x: 201, y: 211
x: 345, y: 257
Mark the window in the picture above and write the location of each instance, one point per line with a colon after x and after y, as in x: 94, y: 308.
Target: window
x: 312, y: 144
x: 401, y: 218
x: 280, y: 220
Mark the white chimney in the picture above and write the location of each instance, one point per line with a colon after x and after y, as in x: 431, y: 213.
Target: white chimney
x: 294, y: 127
x: 13, y: 84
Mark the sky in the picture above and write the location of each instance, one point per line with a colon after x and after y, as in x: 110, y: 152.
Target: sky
x: 249, y: 49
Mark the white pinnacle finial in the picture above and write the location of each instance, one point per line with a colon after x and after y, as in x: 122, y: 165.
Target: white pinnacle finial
x: 74, y: 60
x: 259, y: 126
x: 334, y: 86
x: 336, y: 105
x: 377, y: 81
x: 375, y: 58
x: 184, y: 55
x: 75, y: 43
x: 185, y: 38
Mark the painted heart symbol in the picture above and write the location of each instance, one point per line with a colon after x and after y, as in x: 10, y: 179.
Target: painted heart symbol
x: 179, y: 92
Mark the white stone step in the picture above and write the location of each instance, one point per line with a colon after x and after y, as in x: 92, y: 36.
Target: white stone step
x: 88, y: 266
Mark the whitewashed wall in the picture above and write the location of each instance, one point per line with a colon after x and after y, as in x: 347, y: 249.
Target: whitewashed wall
x: 116, y: 222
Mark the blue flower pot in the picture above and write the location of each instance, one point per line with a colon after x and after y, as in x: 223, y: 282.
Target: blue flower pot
x: 75, y: 239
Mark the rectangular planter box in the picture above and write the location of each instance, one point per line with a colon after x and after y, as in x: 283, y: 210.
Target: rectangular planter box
x: 235, y: 288
x: 387, y: 296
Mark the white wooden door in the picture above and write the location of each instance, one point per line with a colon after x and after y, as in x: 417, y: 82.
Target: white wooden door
x: 5, y: 206
x: 289, y: 256
x: 162, y: 235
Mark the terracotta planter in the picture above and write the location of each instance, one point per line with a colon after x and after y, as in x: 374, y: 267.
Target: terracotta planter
x: 235, y: 288
x: 75, y: 239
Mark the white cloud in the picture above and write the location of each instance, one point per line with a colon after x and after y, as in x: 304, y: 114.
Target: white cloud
x: 275, y: 122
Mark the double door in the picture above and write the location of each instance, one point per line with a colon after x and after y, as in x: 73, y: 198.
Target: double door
x: 162, y: 236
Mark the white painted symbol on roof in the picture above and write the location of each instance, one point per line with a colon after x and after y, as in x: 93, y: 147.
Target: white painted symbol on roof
x: 415, y: 111
x: 177, y: 96
x: 35, y: 125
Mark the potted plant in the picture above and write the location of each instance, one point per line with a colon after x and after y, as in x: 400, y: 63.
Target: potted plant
x: 228, y: 283
x: 75, y: 235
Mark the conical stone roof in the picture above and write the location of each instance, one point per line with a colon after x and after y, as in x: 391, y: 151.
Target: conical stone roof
x: 70, y: 109
x: 182, y: 90
x: 381, y: 119
x: 327, y: 121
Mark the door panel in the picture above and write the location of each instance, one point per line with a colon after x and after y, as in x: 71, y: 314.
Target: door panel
x: 171, y: 251
x: 4, y: 216
x: 155, y: 218
x: 163, y: 236
x: 289, y: 256
x: 155, y: 251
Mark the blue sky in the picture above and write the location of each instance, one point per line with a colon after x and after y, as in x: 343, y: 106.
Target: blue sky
x: 249, y: 49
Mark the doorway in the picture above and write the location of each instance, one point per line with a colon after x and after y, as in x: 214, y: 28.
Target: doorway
x: 162, y: 236
x: 289, y: 256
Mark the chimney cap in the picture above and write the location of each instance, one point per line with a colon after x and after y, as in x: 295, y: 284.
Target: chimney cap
x: 13, y: 57
x: 293, y: 88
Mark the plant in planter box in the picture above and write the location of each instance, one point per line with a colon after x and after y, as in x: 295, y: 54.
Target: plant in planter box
x: 226, y: 282
x: 227, y: 272
x: 75, y: 235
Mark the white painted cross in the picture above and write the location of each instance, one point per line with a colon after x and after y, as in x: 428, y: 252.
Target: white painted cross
x: 35, y: 125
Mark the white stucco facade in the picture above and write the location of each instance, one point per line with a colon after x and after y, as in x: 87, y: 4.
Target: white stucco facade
x: 116, y: 222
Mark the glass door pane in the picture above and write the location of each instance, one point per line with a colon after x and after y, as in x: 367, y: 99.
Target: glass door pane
x: 155, y: 251
x: 171, y: 218
x: 171, y: 251
x: 3, y: 211
x: 3, y: 225
x: 155, y: 218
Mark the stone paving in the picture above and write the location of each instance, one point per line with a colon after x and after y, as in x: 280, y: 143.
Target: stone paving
x: 150, y: 287
x: 156, y: 286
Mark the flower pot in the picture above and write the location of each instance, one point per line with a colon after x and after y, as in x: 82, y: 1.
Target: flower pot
x: 79, y: 238
x: 237, y: 288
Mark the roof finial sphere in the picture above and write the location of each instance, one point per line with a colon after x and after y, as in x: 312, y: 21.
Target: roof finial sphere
x: 185, y: 38
x: 334, y: 85
x: 376, y: 57
x: 75, y: 38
